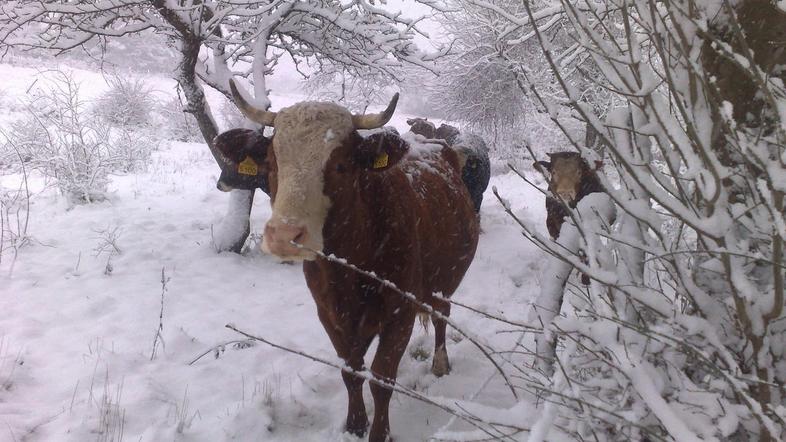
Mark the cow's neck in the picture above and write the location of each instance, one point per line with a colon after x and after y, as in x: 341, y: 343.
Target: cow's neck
x: 360, y: 224
x: 353, y: 232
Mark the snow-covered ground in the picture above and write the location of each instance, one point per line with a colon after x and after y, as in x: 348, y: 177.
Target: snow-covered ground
x: 76, y: 339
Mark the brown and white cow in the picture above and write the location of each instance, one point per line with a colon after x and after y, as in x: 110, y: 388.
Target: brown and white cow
x: 406, y: 216
x: 570, y: 179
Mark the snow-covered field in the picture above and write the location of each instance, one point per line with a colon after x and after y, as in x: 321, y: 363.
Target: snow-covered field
x: 76, y: 339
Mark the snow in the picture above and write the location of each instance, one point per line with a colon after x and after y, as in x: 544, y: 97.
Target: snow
x: 329, y: 136
x: 225, y: 235
x: 76, y: 340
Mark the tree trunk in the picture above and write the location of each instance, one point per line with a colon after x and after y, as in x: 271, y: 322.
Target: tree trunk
x: 234, y: 229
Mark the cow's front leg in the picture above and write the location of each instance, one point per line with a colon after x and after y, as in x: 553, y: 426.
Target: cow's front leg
x: 351, y: 350
x: 393, y: 341
x: 357, y: 419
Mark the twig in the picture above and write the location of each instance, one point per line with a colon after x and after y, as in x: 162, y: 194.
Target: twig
x: 389, y: 384
x: 217, y: 348
x: 159, y: 336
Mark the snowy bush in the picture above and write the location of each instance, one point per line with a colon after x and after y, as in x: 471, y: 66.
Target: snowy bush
x: 132, y: 149
x: 127, y: 102
x: 681, y: 334
x: 14, y: 218
x: 9, y: 103
x: 61, y: 140
x: 176, y: 124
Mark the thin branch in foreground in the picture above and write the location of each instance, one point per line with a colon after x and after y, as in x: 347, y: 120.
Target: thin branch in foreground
x: 219, y: 348
x: 392, y: 385
x: 159, y: 336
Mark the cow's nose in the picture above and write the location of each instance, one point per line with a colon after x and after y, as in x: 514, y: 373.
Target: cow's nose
x: 567, y: 196
x: 223, y: 186
x: 279, y: 237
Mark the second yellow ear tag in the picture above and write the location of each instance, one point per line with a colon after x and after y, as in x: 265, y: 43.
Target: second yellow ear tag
x: 381, y: 161
x: 248, y: 167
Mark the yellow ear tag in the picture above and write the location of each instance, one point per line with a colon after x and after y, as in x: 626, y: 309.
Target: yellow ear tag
x: 381, y: 161
x: 248, y: 167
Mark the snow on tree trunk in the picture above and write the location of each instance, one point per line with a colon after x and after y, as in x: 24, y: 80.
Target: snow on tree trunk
x: 231, y: 233
x: 594, y: 214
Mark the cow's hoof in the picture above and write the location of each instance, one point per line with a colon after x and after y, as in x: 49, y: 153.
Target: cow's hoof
x: 440, y: 366
x: 376, y: 435
x: 357, y: 428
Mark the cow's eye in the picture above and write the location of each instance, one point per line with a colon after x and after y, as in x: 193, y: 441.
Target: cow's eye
x: 341, y: 168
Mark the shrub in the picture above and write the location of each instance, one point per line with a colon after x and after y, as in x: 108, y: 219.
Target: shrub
x: 127, y: 102
x: 57, y: 139
x: 177, y: 123
x: 132, y: 149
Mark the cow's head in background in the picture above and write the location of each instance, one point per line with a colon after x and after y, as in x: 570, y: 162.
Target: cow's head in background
x: 422, y: 126
x: 315, y: 156
x: 447, y: 132
x: 567, y: 173
x: 243, y: 160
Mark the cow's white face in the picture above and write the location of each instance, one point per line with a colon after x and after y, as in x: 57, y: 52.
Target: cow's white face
x: 306, y: 136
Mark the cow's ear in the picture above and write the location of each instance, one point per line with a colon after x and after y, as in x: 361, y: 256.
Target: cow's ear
x: 542, y: 165
x: 380, y: 151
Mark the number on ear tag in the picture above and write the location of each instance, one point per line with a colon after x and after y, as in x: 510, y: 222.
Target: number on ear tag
x: 381, y: 161
x: 248, y: 167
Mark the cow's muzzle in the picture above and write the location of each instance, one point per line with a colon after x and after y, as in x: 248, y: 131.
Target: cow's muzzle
x: 567, y: 196
x: 287, y: 241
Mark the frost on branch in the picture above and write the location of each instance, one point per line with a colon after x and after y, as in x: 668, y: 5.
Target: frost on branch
x: 579, y: 235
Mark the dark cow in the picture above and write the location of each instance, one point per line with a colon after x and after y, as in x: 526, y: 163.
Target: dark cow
x: 475, y: 165
x: 473, y: 155
x: 570, y: 179
x: 243, y: 160
x: 403, y: 215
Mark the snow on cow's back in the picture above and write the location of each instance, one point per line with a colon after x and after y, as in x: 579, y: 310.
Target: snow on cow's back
x: 422, y: 156
x: 472, y: 142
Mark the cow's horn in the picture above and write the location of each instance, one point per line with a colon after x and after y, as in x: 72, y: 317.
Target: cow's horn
x: 257, y: 115
x: 373, y: 121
